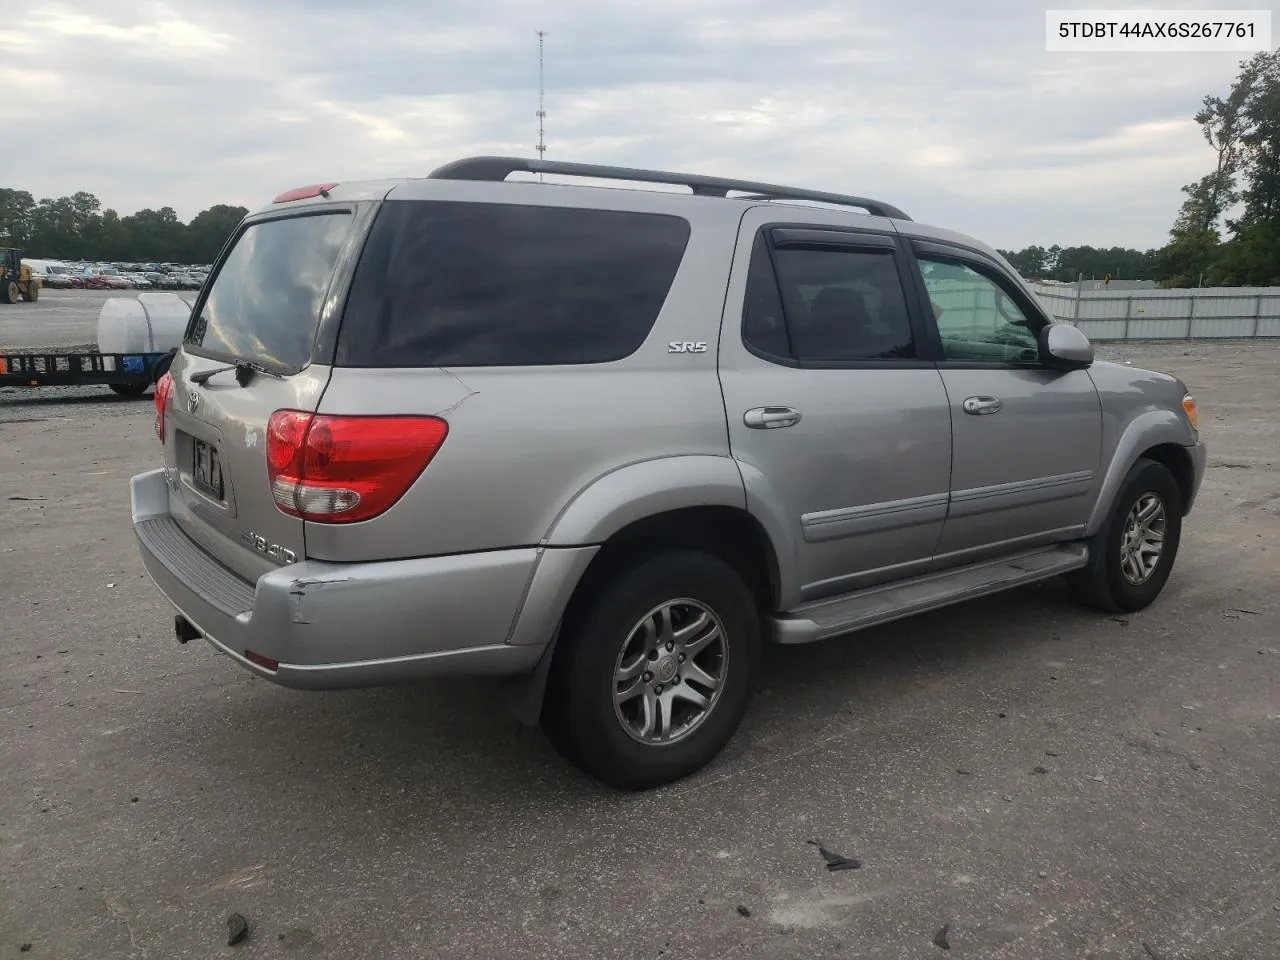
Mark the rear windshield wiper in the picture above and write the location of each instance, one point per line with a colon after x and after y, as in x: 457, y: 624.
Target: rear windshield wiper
x: 245, y: 369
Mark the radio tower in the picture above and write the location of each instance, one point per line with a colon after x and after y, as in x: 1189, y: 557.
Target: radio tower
x: 542, y: 113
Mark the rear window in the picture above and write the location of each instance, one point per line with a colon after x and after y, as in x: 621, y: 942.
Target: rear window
x: 264, y: 303
x: 469, y: 284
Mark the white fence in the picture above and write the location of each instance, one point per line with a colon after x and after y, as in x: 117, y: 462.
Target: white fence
x: 1213, y: 312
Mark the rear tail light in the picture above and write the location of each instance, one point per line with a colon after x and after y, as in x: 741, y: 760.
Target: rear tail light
x: 345, y: 469
x: 164, y: 391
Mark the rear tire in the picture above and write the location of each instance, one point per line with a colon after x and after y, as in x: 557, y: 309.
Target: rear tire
x: 129, y: 389
x: 32, y: 293
x: 8, y: 291
x: 681, y: 623
x: 1131, y: 557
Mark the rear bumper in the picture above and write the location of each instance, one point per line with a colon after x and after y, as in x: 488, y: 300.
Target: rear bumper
x: 334, y: 625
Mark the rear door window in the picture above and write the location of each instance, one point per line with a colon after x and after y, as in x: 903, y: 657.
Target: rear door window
x: 473, y: 284
x: 265, y: 301
x: 839, y: 303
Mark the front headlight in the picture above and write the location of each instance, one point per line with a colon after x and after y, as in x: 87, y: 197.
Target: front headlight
x: 1189, y: 408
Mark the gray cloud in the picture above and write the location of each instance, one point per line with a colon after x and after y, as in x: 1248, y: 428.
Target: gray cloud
x: 954, y: 112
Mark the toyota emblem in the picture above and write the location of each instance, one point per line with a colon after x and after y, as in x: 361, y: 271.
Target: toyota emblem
x: 193, y: 401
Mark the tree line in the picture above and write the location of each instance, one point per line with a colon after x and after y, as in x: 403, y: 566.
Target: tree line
x: 1069, y: 263
x: 78, y: 228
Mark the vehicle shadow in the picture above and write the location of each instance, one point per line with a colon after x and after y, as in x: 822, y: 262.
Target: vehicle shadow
x: 449, y: 749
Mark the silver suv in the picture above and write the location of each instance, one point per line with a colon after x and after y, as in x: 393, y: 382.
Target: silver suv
x: 607, y: 442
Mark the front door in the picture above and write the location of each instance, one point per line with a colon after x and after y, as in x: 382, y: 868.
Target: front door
x: 841, y: 430
x: 1027, y: 439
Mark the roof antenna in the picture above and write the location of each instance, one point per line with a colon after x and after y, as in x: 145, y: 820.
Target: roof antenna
x: 542, y: 112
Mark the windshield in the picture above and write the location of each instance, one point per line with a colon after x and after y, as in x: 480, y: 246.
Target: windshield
x: 265, y: 301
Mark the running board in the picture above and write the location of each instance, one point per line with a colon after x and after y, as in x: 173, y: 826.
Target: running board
x: 892, y: 601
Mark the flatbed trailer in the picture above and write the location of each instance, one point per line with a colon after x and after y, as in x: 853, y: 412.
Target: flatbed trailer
x: 129, y: 374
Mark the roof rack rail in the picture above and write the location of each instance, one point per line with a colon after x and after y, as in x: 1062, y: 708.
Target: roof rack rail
x: 499, y: 168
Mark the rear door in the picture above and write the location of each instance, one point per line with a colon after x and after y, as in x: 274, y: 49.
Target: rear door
x: 271, y: 298
x: 840, y: 428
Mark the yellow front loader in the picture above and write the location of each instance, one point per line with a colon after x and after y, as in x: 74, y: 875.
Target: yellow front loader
x: 16, y: 279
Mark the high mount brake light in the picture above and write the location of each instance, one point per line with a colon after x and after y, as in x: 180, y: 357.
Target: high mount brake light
x: 305, y: 193
x: 332, y: 469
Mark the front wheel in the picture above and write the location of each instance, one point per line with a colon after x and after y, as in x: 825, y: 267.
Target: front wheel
x: 1131, y: 557
x: 653, y: 672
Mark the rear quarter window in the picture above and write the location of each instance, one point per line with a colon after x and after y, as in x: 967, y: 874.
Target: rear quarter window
x: 469, y: 284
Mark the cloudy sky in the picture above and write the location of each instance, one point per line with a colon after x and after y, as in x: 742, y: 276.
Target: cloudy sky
x: 952, y: 111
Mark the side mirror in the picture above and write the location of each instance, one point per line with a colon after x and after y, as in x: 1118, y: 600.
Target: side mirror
x: 1064, y: 347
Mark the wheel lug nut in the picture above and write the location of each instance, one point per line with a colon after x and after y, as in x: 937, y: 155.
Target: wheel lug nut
x: 674, y: 681
x: 682, y: 658
x: 653, y: 654
x: 647, y: 677
x: 670, y: 646
x: 658, y: 688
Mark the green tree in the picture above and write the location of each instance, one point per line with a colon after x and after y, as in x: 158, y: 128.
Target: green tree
x: 78, y: 228
x: 1066, y: 264
x: 1030, y: 261
x: 209, y: 230
x: 16, y: 209
x: 1244, y: 130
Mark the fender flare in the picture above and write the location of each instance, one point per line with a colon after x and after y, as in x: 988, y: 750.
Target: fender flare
x: 635, y: 491
x: 651, y: 487
x: 1149, y: 429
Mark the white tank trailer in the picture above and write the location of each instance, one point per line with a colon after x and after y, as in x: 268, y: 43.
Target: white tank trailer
x: 146, y: 324
x: 136, y: 339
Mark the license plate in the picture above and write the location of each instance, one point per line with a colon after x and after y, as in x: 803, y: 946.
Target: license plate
x: 206, y: 471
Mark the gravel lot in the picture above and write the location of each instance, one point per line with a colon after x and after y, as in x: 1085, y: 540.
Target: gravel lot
x: 60, y: 318
x: 1042, y: 781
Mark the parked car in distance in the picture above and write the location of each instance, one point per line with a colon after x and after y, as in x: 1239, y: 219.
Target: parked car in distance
x: 607, y: 443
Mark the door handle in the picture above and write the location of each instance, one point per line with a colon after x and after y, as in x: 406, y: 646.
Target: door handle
x: 982, y: 406
x: 770, y: 418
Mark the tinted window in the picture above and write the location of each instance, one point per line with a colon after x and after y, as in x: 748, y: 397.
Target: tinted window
x: 844, y: 304
x: 976, y: 318
x: 764, y: 325
x: 265, y: 301
x: 467, y: 284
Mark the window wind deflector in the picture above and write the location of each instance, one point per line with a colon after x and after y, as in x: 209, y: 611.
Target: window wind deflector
x: 816, y: 237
